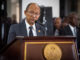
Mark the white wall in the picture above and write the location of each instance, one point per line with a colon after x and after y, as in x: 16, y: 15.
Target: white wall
x: 52, y: 3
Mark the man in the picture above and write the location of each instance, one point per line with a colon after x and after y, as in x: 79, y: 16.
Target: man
x: 57, y: 26
x: 72, y: 29
x: 29, y: 26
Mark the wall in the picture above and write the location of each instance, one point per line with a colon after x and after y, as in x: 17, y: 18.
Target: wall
x: 79, y: 10
x: 9, y: 8
x: 13, y: 8
x: 52, y: 3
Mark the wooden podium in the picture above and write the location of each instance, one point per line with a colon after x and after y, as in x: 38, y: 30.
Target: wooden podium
x: 31, y: 48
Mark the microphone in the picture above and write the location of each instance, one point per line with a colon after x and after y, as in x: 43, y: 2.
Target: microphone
x: 45, y: 27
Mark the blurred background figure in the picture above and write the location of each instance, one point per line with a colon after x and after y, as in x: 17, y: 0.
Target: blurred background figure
x: 5, y: 23
x: 14, y: 21
x: 72, y: 28
x: 56, y: 26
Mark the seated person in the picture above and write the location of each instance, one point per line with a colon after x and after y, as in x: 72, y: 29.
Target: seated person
x: 57, y: 26
x: 28, y: 26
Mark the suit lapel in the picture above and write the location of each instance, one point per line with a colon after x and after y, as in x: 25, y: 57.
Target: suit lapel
x: 69, y: 30
x: 38, y: 30
x: 23, y: 28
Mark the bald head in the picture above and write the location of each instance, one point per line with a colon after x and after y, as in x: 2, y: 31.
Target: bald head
x: 31, y: 5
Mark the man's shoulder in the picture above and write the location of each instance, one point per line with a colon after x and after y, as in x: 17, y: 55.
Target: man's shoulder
x: 19, y: 24
x: 66, y: 27
x: 14, y: 25
x: 39, y: 25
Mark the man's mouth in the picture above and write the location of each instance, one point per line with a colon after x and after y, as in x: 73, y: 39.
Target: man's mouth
x: 32, y: 20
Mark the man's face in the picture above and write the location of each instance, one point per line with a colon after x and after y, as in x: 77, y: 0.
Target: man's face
x: 74, y: 20
x: 57, y: 23
x: 32, y: 13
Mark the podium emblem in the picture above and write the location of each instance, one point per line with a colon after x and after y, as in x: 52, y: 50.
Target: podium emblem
x: 52, y: 52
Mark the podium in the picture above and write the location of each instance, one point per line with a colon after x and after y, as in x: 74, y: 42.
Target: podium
x: 32, y: 48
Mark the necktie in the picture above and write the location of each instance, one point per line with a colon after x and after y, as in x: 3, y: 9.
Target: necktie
x: 30, y: 31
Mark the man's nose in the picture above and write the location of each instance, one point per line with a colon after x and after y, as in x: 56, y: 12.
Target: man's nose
x: 34, y: 15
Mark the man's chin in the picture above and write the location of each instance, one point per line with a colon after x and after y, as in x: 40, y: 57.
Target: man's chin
x: 32, y: 23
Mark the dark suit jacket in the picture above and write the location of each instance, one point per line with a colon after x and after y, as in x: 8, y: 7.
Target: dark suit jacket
x: 54, y: 29
x: 66, y: 31
x: 20, y: 30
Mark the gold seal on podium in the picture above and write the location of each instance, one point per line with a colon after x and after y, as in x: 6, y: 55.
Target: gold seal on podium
x: 52, y: 52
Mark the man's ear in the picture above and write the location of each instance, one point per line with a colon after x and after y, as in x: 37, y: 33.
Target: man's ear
x: 25, y: 12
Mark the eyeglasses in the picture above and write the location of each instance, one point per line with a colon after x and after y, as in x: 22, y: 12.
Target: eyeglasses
x: 33, y: 13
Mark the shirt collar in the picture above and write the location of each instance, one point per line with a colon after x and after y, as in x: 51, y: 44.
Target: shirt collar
x: 27, y: 25
x: 72, y: 27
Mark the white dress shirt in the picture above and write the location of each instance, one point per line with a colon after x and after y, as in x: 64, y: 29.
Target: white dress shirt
x: 33, y: 30
x: 56, y: 32
x: 73, y: 29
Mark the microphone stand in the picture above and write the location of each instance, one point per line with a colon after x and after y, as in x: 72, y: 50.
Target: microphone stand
x: 45, y: 21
